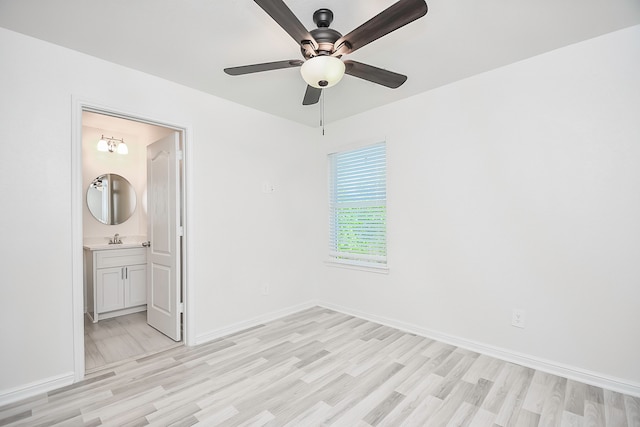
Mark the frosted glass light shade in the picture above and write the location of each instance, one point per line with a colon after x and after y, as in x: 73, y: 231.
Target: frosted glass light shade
x: 322, y: 71
x: 122, y: 148
x: 103, y: 145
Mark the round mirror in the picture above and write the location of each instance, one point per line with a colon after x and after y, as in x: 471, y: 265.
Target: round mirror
x: 111, y: 199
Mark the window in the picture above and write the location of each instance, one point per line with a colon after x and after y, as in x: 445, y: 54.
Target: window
x: 358, y: 206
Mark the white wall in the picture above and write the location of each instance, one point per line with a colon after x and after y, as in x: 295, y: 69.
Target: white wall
x: 239, y: 237
x: 520, y: 188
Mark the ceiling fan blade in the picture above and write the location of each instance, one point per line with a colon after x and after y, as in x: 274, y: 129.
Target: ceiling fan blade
x: 287, y: 20
x: 267, y: 66
x: 374, y: 74
x: 397, y: 15
x: 311, y: 96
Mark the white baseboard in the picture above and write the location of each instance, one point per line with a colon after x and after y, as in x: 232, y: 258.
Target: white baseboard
x: 549, y: 366
x: 35, y: 388
x: 246, y: 324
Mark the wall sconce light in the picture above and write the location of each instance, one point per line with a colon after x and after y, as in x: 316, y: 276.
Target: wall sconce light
x: 113, y: 145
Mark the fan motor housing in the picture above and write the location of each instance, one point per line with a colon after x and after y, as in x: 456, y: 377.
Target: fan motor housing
x: 325, y: 37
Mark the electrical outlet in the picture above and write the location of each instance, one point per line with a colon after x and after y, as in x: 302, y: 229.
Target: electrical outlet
x: 265, y: 289
x: 268, y: 188
x: 517, y: 318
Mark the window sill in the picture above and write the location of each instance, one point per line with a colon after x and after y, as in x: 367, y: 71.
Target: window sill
x: 360, y: 267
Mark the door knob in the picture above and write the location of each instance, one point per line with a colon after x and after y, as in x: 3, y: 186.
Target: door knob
x: 146, y: 244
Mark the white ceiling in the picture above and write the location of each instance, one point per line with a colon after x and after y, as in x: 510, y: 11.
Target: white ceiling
x: 191, y: 41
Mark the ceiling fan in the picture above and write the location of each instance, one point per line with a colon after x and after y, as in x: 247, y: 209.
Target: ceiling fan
x: 323, y: 47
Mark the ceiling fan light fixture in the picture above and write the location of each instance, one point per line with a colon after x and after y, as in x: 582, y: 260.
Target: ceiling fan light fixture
x: 322, y: 71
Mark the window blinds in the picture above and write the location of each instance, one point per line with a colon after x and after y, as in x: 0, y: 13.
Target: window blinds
x: 357, y: 205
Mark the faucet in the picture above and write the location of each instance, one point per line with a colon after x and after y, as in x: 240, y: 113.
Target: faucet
x: 116, y: 240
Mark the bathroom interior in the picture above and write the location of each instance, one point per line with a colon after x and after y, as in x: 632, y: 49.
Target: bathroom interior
x: 114, y: 172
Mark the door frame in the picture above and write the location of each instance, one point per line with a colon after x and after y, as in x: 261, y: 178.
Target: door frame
x: 77, y: 288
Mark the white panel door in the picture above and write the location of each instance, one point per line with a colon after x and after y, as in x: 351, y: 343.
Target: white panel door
x: 163, y: 222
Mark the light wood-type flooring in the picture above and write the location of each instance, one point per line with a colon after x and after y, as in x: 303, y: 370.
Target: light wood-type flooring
x: 321, y: 368
x: 121, y: 338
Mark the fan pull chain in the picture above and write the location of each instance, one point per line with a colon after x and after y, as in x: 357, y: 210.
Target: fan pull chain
x: 322, y: 111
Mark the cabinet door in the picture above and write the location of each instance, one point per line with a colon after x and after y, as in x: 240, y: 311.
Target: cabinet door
x: 136, y: 285
x: 110, y: 289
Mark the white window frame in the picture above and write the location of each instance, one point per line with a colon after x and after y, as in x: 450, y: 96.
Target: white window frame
x: 366, y: 167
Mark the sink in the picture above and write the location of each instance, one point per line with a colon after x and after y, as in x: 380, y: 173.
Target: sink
x: 100, y: 244
x: 103, y: 246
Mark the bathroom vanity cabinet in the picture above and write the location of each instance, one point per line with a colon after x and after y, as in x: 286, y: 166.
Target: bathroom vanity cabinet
x: 116, y: 281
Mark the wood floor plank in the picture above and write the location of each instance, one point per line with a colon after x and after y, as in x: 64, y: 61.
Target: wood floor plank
x: 261, y: 419
x: 313, y: 416
x: 570, y: 419
x: 383, y: 408
x: 423, y: 413
x: 369, y: 382
x: 217, y: 416
x: 382, y: 397
x: 527, y: 419
x: 632, y: 408
x: 430, y: 365
x: 480, y: 369
x: 551, y: 414
x: 452, y: 379
x: 502, y: 385
x: 320, y: 391
x: 593, y: 413
x: 574, y: 397
x: 452, y: 401
x: 135, y: 417
x: 480, y: 391
x: 317, y: 368
x: 483, y: 418
x: 414, y: 398
x: 512, y: 405
x: 541, y: 385
x: 615, y: 417
x: 464, y: 415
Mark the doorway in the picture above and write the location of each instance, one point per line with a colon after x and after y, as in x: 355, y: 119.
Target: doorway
x: 120, y: 334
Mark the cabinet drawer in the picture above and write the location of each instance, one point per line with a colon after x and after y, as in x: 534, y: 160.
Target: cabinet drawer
x: 120, y: 257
